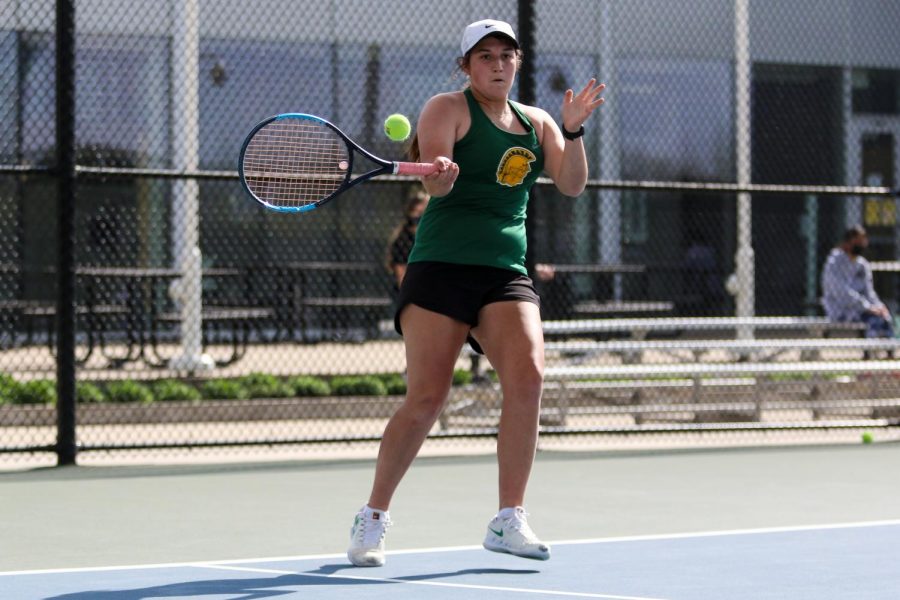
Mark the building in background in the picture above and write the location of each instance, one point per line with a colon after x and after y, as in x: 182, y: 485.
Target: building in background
x: 825, y: 109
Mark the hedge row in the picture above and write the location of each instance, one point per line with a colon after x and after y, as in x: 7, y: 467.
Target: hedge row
x: 254, y: 385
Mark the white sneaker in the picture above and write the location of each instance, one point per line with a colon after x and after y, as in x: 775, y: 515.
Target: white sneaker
x: 513, y: 536
x: 367, y: 537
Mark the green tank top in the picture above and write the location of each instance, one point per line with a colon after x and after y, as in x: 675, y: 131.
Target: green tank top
x: 482, y: 220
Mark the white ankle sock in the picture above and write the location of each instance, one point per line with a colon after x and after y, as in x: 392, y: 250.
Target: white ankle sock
x: 506, y: 513
x: 368, y: 511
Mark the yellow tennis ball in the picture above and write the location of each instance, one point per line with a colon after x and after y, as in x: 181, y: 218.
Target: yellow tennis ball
x: 397, y: 127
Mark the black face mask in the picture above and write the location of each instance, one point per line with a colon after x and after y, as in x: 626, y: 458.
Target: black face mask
x: 857, y: 249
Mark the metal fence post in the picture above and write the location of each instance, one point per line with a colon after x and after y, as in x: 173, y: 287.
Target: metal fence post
x: 66, y: 448
x: 745, y: 258
x: 527, y: 95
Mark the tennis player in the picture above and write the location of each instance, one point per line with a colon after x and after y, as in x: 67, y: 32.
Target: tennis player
x: 466, y: 278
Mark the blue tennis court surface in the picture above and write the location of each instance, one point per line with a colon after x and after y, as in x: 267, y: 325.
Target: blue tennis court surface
x: 856, y: 560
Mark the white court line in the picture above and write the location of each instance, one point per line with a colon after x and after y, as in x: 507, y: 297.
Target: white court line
x: 607, y: 540
x: 493, y: 588
x: 757, y: 531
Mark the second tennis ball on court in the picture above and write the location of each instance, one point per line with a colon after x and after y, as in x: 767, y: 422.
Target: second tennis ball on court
x: 397, y: 127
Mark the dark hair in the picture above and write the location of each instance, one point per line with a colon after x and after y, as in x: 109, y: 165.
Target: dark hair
x: 415, y: 197
x: 854, y: 232
x: 412, y: 151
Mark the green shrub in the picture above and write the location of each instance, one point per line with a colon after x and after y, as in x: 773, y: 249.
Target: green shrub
x: 8, y: 387
x: 171, y: 390
x: 128, y: 391
x: 223, y: 389
x: 462, y: 377
x: 395, y: 384
x: 305, y: 385
x: 263, y: 385
x: 358, y: 386
x: 87, y: 392
x: 39, y: 391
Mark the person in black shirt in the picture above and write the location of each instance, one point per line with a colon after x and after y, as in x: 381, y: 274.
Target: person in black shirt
x: 403, y: 236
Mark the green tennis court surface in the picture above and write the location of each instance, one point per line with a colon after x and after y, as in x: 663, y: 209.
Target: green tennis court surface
x: 806, y: 522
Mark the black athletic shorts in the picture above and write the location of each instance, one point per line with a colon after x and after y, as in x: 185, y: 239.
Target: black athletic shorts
x: 460, y: 291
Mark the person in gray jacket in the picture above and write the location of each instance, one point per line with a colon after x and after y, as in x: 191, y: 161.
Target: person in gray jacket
x: 848, y: 293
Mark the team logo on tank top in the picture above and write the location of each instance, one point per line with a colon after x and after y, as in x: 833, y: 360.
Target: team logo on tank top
x: 515, y: 166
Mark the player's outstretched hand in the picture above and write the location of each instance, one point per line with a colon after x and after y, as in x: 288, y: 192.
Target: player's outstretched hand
x: 576, y: 108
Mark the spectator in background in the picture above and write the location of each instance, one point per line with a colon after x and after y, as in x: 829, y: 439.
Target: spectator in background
x: 704, y: 292
x: 403, y: 236
x: 848, y: 293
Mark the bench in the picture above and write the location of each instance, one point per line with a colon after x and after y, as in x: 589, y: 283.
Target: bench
x: 11, y: 313
x: 675, y: 392
x: 711, y: 412
x: 761, y: 350
x: 714, y: 412
x: 236, y: 323
x: 640, y: 329
x: 370, y: 304
x: 311, y: 290
x: 623, y: 308
x: 566, y: 378
x: 94, y: 324
x: 363, y: 302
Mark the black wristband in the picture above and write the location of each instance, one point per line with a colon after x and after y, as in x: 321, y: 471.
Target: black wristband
x: 572, y: 135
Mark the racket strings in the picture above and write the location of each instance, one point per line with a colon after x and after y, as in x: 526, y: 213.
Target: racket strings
x: 295, y: 162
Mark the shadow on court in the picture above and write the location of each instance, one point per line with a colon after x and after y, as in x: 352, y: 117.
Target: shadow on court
x: 260, y: 587
x: 336, y: 568
x: 268, y: 587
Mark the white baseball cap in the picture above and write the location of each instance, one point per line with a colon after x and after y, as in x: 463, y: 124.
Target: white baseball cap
x: 479, y: 29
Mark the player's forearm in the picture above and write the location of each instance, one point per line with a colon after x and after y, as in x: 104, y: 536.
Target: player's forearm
x: 437, y: 189
x: 573, y: 172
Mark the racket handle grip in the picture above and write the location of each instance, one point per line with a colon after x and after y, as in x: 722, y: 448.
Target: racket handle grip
x: 410, y: 168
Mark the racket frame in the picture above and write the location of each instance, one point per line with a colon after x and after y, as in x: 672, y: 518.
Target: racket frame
x: 386, y: 167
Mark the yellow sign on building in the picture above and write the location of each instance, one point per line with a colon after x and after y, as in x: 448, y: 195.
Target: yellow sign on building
x: 880, y: 212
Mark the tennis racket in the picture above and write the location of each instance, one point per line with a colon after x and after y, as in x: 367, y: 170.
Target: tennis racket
x: 296, y: 162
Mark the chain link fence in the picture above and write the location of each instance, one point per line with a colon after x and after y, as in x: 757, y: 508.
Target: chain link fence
x: 680, y: 291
